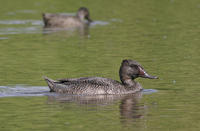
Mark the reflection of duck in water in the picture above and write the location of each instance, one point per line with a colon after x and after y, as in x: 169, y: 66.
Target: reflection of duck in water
x: 129, y: 107
x: 129, y: 70
x: 129, y: 104
x: 81, y: 20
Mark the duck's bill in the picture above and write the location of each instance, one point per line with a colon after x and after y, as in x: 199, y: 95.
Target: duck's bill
x: 149, y: 76
x: 143, y: 74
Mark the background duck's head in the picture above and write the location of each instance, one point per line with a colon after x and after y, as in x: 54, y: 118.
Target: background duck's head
x: 83, y: 13
x: 131, y: 69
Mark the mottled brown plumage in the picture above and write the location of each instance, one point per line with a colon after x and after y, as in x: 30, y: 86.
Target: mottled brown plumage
x: 129, y: 70
x: 81, y: 19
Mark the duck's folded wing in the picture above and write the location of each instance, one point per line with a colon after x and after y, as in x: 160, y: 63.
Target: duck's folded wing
x: 89, y: 80
x: 74, y: 79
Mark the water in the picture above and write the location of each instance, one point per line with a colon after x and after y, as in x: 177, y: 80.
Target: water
x: 163, y: 36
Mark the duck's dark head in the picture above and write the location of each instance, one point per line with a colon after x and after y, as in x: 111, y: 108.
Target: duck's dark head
x: 83, y: 13
x: 131, y: 69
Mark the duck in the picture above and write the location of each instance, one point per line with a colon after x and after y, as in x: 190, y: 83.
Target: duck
x: 81, y: 19
x: 128, y: 72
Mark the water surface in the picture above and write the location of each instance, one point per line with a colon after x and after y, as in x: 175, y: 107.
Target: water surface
x: 163, y: 36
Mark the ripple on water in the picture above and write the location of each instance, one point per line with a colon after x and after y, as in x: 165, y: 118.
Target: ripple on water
x: 149, y: 91
x: 22, y: 11
x: 21, y: 90
x: 35, y: 28
x: 20, y: 30
x: 95, y: 23
x: 17, y: 22
x: 3, y: 38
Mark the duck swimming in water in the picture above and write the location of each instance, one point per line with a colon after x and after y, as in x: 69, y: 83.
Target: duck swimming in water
x: 128, y: 72
x: 81, y: 19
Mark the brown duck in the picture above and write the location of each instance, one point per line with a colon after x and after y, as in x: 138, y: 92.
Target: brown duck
x: 128, y: 72
x: 81, y: 19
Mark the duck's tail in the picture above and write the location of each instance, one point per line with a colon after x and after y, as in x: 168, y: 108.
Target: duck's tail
x: 50, y: 83
x: 45, y: 19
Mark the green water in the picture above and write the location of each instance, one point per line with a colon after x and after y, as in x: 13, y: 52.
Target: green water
x: 161, y: 35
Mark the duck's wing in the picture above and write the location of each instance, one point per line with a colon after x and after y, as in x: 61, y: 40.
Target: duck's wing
x: 80, y: 79
x: 89, y: 80
x: 54, y: 20
x: 85, y: 85
x: 50, y: 15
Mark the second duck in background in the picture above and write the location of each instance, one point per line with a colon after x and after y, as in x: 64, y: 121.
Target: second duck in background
x: 80, y: 20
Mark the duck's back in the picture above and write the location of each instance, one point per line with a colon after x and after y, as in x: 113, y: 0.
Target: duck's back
x: 87, y: 85
x: 61, y: 21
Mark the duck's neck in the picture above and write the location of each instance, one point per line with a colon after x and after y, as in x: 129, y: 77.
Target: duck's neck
x: 128, y: 82
x: 125, y: 78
